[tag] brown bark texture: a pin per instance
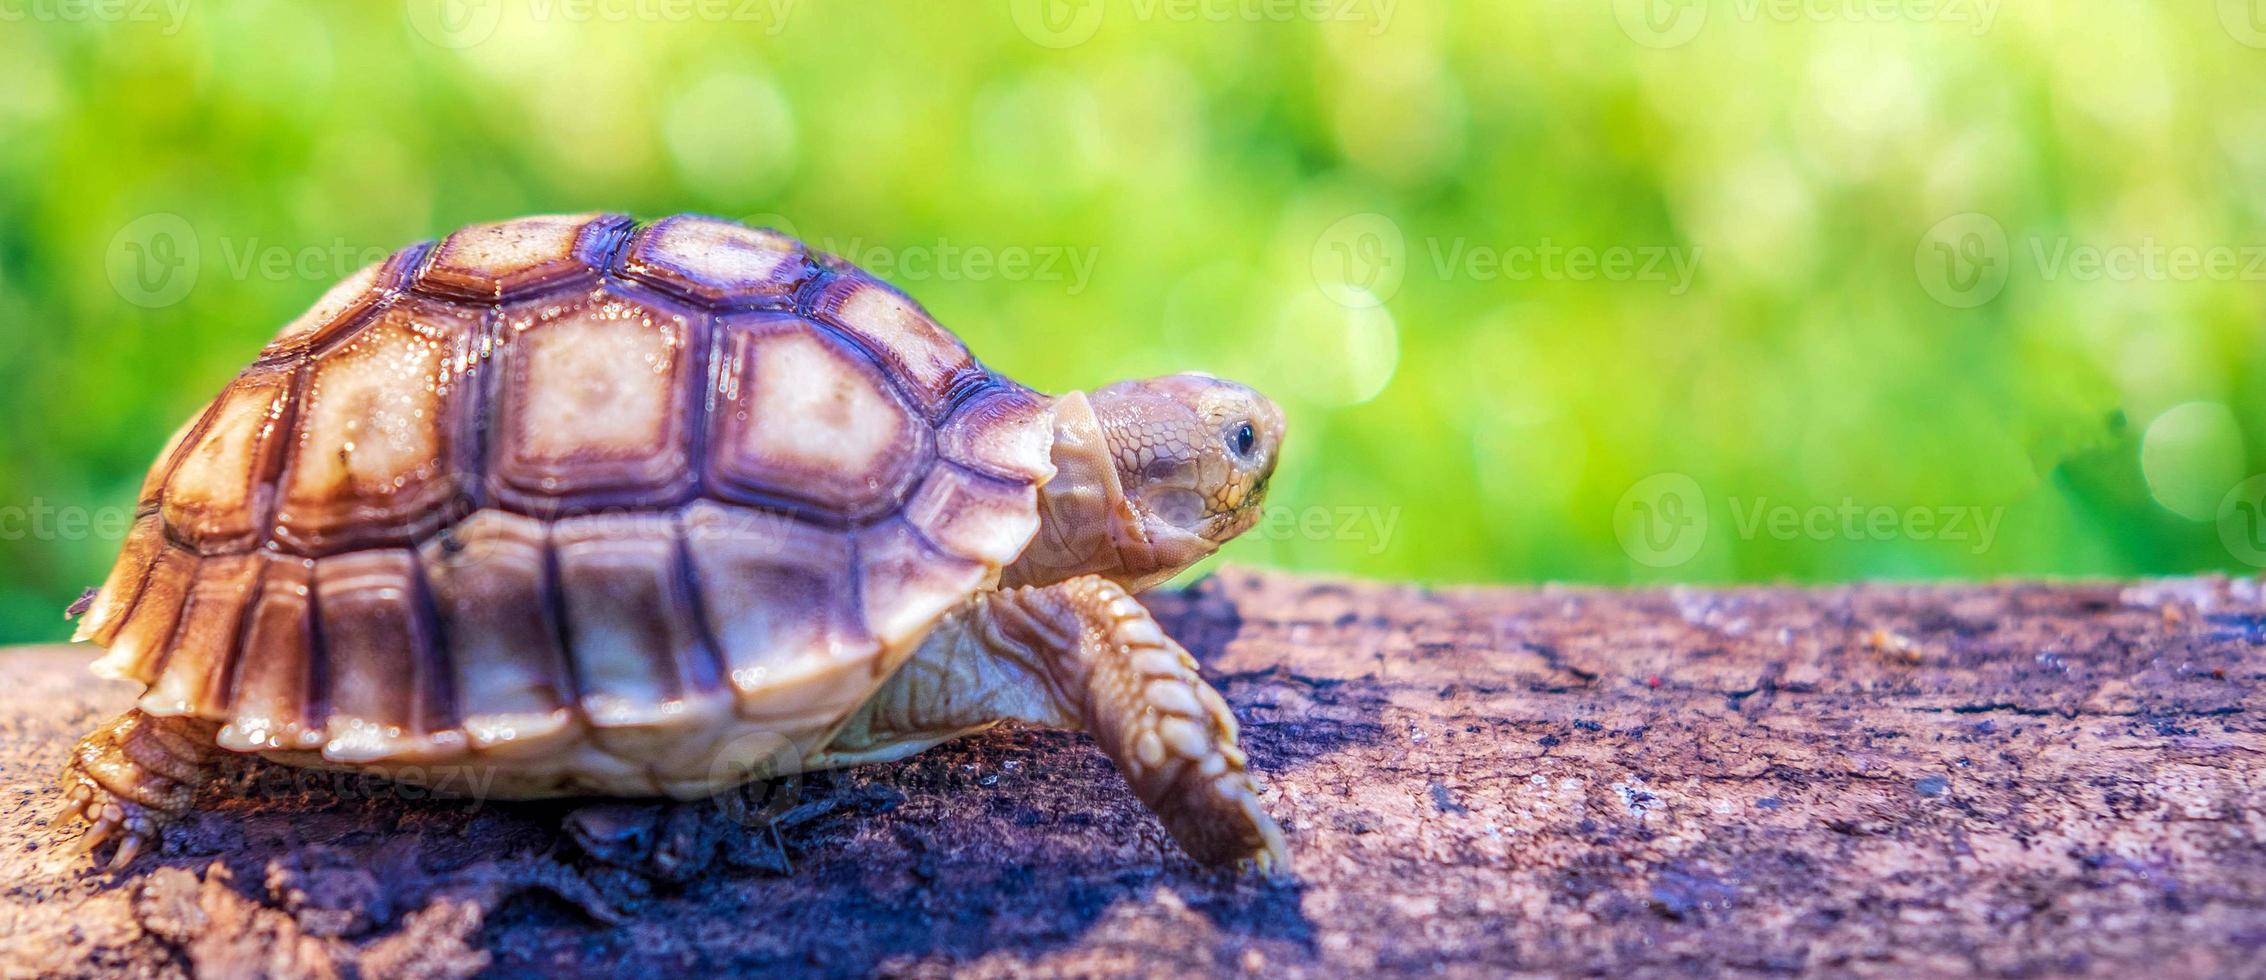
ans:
(2017, 779)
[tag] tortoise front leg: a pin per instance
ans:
(134, 775)
(1081, 654)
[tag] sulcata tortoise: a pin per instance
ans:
(590, 508)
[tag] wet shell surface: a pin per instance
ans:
(611, 508)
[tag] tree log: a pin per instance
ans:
(2013, 779)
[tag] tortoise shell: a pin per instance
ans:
(570, 485)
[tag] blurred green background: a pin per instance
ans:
(1614, 292)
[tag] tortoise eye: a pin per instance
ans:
(1243, 439)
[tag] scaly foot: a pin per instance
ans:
(131, 777)
(1140, 695)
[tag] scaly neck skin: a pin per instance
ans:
(1086, 525)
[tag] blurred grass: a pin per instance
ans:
(1451, 422)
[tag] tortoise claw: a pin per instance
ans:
(74, 806)
(128, 848)
(96, 834)
(128, 823)
(1267, 854)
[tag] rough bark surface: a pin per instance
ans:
(1890, 780)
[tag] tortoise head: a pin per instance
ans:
(1151, 476)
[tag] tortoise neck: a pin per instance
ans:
(1086, 525)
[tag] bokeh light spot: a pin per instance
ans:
(732, 136)
(2190, 456)
(1330, 354)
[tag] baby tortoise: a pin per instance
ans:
(600, 509)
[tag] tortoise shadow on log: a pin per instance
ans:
(1017, 841)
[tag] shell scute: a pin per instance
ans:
(153, 485)
(506, 259)
(490, 579)
(1004, 430)
(718, 263)
(974, 516)
(387, 697)
(275, 697)
(140, 641)
(907, 582)
(213, 498)
(193, 678)
(594, 403)
(116, 596)
(854, 448)
(778, 592)
(342, 306)
(932, 362)
(639, 652)
(382, 433)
